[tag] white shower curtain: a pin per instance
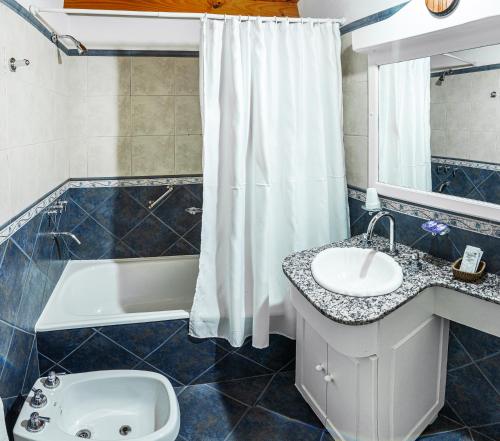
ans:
(274, 175)
(404, 124)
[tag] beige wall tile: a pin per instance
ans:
(354, 65)
(153, 115)
(5, 190)
(108, 116)
(187, 76)
(187, 115)
(356, 157)
(109, 156)
(153, 155)
(188, 154)
(152, 76)
(108, 76)
(78, 157)
(438, 116)
(356, 109)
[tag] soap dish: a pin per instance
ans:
(465, 276)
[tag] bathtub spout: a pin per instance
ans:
(56, 234)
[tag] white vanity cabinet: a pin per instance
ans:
(382, 381)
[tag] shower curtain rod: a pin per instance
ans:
(176, 15)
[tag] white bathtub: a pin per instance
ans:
(112, 292)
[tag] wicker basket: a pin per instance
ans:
(468, 277)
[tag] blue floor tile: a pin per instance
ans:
(281, 351)
(491, 431)
(457, 356)
(184, 358)
(247, 390)
(283, 397)
(442, 424)
(490, 367)
(478, 344)
(232, 367)
(260, 424)
(143, 338)
(207, 415)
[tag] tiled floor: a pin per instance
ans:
(224, 393)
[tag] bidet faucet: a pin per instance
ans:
(55, 234)
(392, 230)
(36, 422)
(52, 380)
(38, 399)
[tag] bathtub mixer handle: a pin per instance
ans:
(38, 399)
(36, 423)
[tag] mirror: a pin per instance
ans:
(439, 124)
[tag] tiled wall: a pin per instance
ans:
(464, 117)
(34, 153)
(117, 223)
(468, 179)
(30, 266)
(134, 116)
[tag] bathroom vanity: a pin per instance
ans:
(374, 368)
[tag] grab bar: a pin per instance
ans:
(153, 204)
(194, 210)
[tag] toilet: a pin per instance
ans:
(3, 428)
(102, 405)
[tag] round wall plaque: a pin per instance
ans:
(441, 7)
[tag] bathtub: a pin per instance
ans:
(94, 293)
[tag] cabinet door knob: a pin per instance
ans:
(320, 368)
(329, 378)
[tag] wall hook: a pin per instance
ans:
(14, 64)
(493, 94)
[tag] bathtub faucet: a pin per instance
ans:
(56, 234)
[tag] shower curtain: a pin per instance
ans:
(273, 169)
(404, 130)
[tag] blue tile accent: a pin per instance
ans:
(371, 19)
(283, 397)
(200, 422)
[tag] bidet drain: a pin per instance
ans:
(84, 433)
(125, 430)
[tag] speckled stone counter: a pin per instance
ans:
(360, 311)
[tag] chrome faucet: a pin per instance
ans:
(36, 423)
(38, 399)
(52, 380)
(392, 230)
(56, 234)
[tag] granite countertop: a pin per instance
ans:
(361, 311)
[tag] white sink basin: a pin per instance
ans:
(357, 272)
(105, 406)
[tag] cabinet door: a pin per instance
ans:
(313, 366)
(342, 395)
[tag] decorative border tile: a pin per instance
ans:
(467, 70)
(17, 223)
(371, 19)
(466, 163)
(454, 220)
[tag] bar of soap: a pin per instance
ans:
(436, 227)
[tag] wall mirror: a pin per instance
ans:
(439, 127)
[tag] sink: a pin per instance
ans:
(357, 272)
(104, 406)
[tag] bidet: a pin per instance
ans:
(103, 406)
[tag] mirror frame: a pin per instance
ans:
(468, 207)
(440, 201)
(412, 33)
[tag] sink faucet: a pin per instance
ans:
(55, 234)
(392, 229)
